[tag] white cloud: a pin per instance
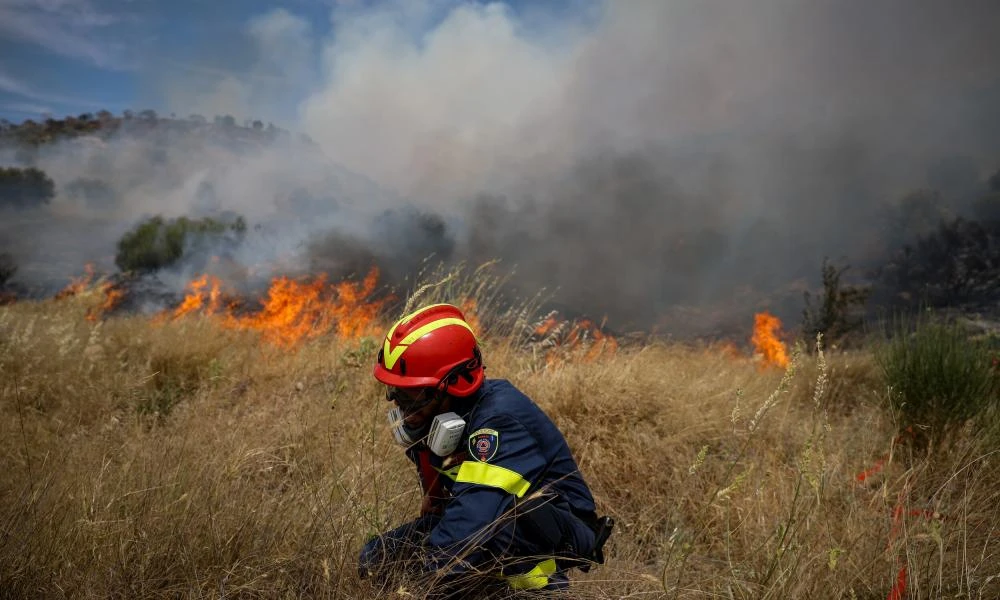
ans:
(12, 85)
(284, 47)
(70, 28)
(27, 108)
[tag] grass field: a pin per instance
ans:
(182, 458)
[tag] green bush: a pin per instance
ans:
(837, 314)
(157, 243)
(939, 377)
(25, 188)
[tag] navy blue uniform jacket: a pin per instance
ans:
(511, 451)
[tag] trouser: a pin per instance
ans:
(543, 542)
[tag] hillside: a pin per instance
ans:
(103, 125)
(72, 188)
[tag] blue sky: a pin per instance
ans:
(73, 56)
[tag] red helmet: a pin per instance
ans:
(432, 347)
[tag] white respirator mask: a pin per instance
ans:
(443, 438)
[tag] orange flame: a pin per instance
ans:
(355, 314)
(293, 311)
(564, 339)
(112, 298)
(766, 342)
(547, 325)
(470, 309)
(198, 298)
(78, 284)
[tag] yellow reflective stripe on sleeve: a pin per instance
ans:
(493, 476)
(534, 579)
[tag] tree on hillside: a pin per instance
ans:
(838, 313)
(25, 188)
(157, 243)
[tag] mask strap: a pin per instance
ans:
(463, 370)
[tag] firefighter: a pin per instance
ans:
(504, 501)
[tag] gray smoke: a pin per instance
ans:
(656, 153)
(640, 157)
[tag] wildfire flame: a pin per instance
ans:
(547, 325)
(470, 310)
(78, 285)
(583, 339)
(197, 298)
(292, 311)
(112, 295)
(766, 341)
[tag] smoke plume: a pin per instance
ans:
(636, 157)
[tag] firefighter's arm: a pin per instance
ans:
(504, 460)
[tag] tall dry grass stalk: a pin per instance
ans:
(180, 459)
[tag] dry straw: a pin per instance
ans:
(180, 459)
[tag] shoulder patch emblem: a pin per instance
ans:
(483, 444)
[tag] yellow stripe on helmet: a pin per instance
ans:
(390, 355)
(392, 329)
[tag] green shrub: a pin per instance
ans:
(938, 376)
(157, 243)
(25, 188)
(838, 313)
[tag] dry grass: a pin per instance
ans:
(154, 460)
